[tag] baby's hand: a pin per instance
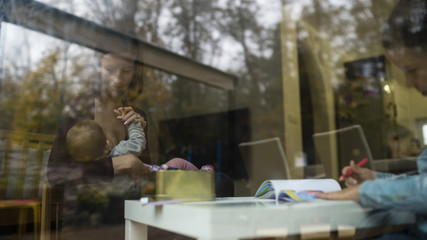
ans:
(128, 115)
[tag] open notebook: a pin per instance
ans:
(297, 190)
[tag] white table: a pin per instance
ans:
(235, 218)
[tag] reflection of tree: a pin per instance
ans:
(354, 26)
(33, 102)
(201, 31)
(191, 31)
(259, 86)
(118, 15)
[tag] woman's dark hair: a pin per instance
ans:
(136, 86)
(407, 26)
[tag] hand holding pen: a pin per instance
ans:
(355, 174)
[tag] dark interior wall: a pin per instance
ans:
(207, 139)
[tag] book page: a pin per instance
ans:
(298, 185)
(296, 190)
(323, 185)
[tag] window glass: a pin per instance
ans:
(255, 90)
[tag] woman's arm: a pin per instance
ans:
(131, 165)
(406, 193)
(401, 191)
(350, 193)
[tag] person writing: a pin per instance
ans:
(405, 41)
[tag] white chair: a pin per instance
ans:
(264, 159)
(23, 160)
(337, 148)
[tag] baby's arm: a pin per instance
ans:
(136, 143)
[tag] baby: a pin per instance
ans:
(86, 141)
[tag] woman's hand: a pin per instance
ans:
(128, 115)
(359, 174)
(131, 165)
(350, 193)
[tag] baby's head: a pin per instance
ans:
(86, 141)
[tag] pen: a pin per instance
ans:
(350, 171)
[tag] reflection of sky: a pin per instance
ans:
(25, 47)
(270, 12)
(19, 45)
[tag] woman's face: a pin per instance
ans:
(414, 65)
(117, 74)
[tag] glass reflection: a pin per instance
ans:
(303, 68)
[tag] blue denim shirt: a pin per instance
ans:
(403, 192)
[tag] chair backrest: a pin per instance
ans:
(23, 160)
(265, 159)
(336, 148)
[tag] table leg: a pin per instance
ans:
(22, 222)
(135, 230)
(333, 235)
(293, 237)
(36, 217)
